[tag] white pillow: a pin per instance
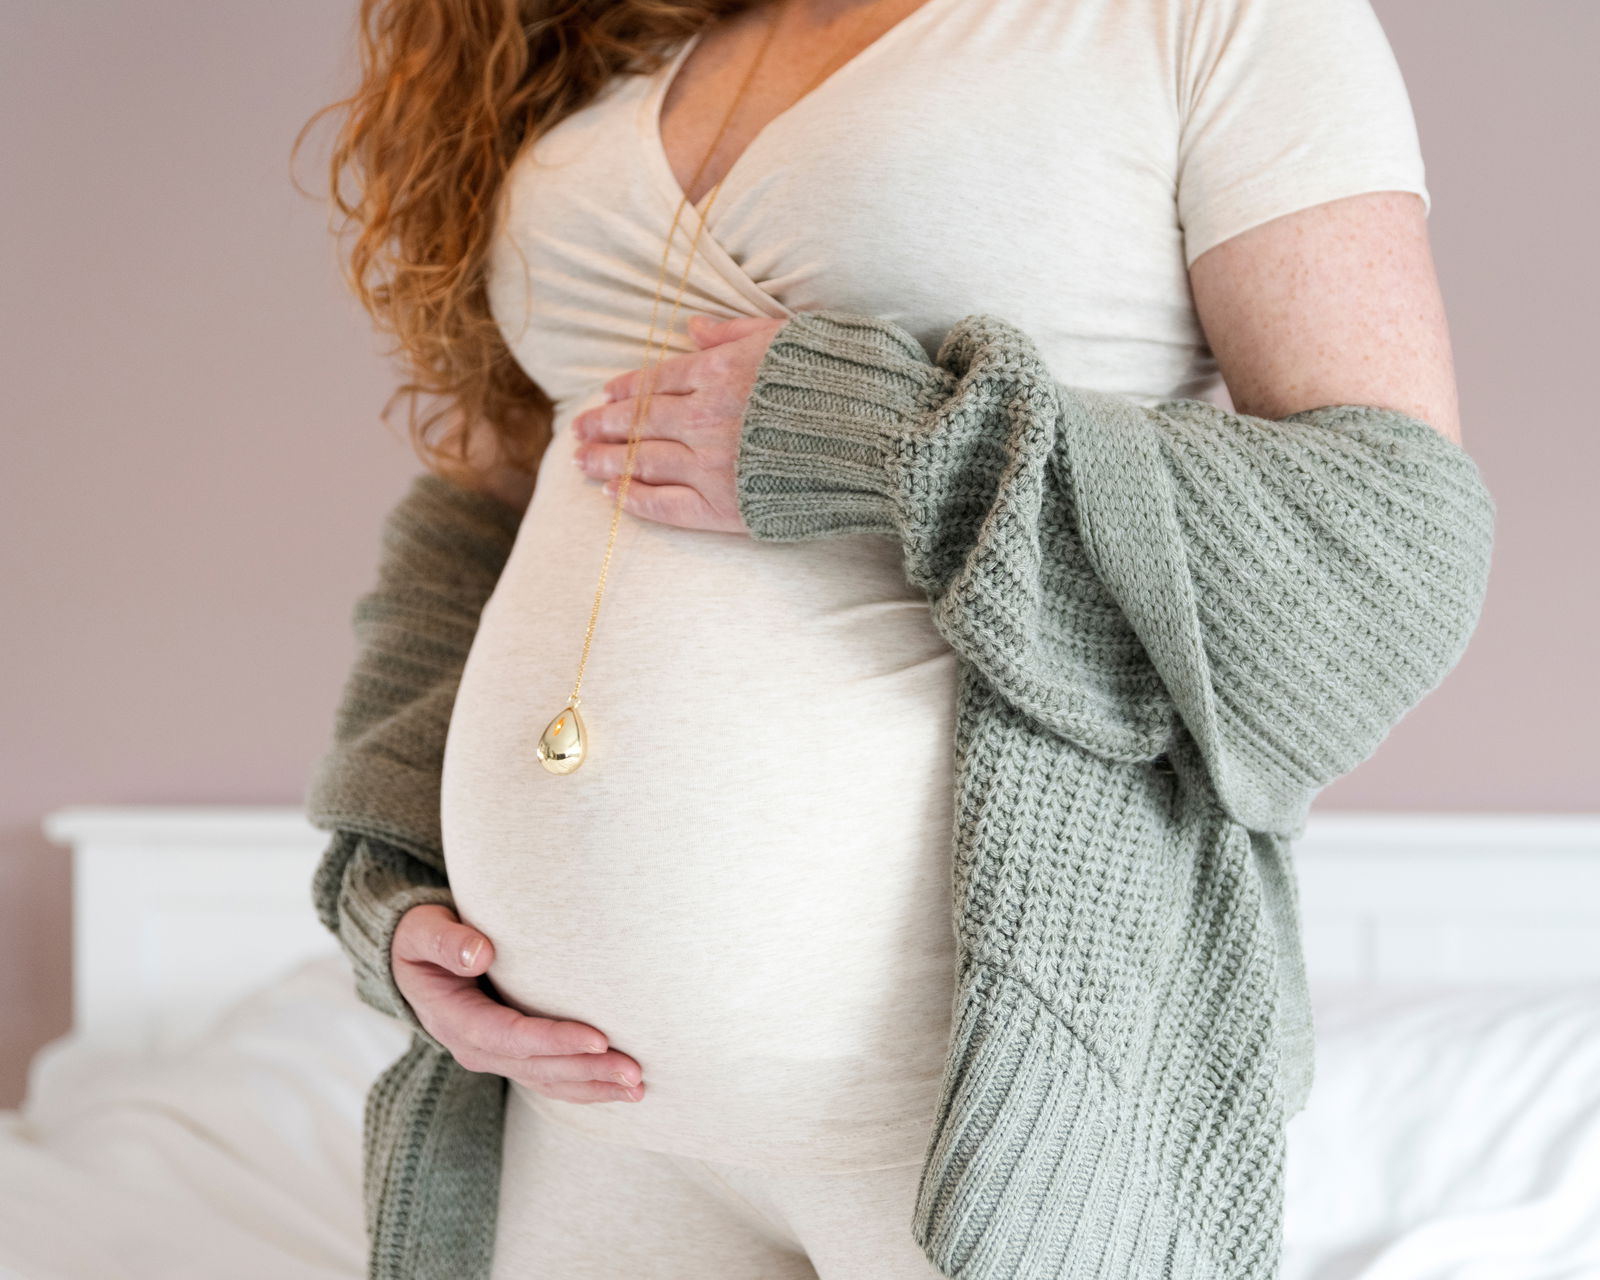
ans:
(1452, 1133)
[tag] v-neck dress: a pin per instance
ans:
(747, 887)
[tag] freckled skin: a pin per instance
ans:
(1335, 304)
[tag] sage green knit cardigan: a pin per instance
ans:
(1175, 625)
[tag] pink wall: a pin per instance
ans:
(195, 470)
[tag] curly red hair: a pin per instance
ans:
(450, 92)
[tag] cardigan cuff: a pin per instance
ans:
(379, 886)
(834, 407)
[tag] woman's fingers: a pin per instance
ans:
(675, 504)
(437, 960)
(432, 932)
(665, 416)
(673, 375)
(688, 370)
(708, 331)
(654, 462)
(484, 1035)
(589, 1091)
(613, 1069)
(469, 1018)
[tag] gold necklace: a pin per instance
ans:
(564, 745)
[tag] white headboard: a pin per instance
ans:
(180, 910)
(177, 911)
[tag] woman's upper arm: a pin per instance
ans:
(1337, 303)
(1300, 187)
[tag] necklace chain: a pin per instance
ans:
(564, 746)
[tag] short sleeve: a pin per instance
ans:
(1286, 104)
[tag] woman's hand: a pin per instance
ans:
(684, 468)
(560, 1059)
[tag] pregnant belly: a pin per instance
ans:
(746, 886)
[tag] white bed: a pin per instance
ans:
(202, 1119)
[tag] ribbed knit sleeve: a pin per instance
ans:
(377, 787)
(1284, 590)
(361, 888)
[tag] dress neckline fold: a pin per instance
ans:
(652, 100)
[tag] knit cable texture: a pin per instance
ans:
(431, 1132)
(1175, 625)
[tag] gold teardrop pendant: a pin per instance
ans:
(564, 743)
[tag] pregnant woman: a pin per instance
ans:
(762, 930)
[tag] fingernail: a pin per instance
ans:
(470, 950)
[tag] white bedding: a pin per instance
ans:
(239, 1160)
(1452, 1134)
